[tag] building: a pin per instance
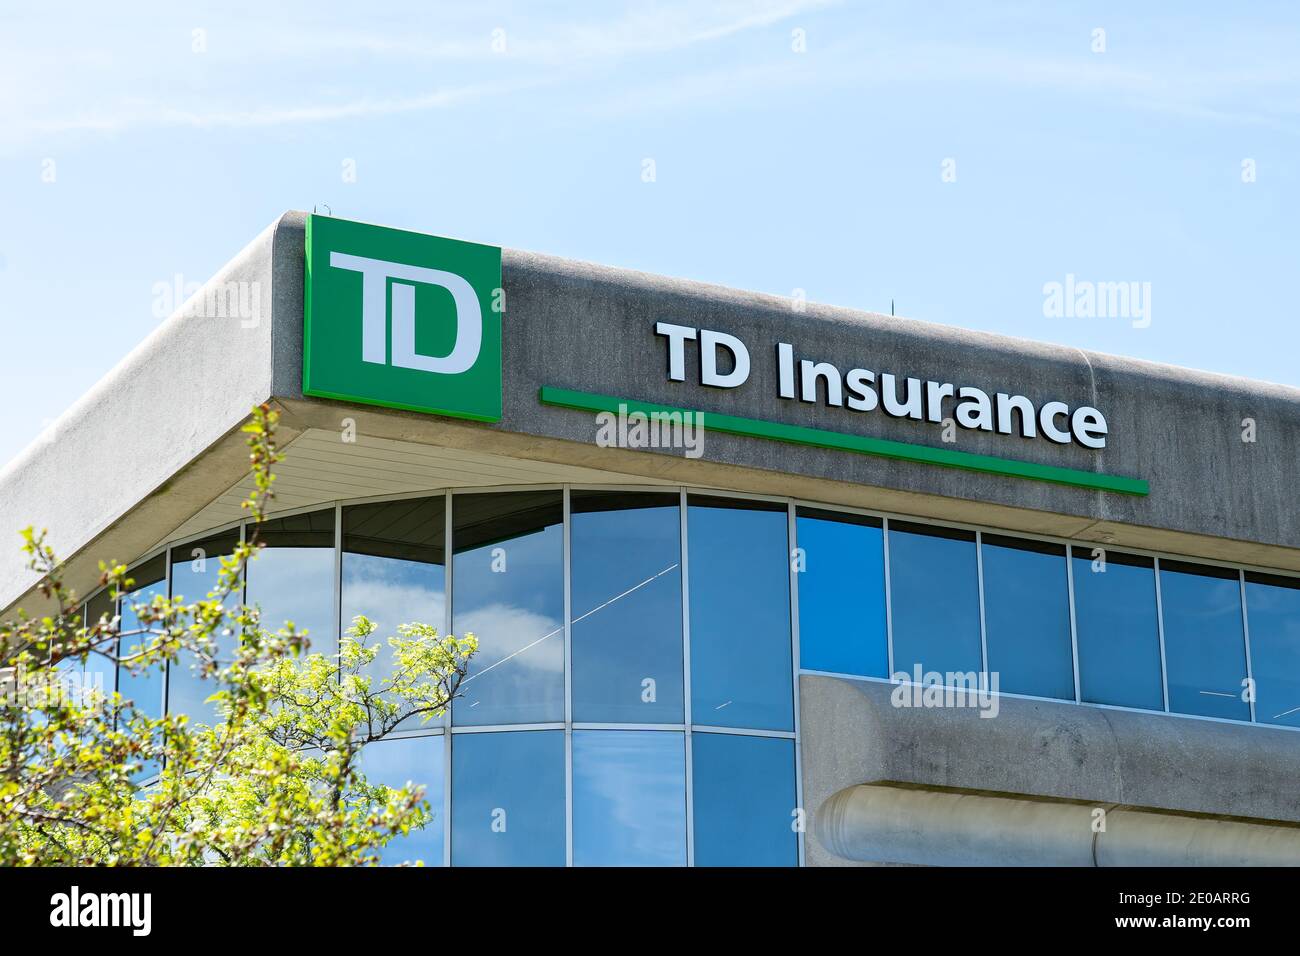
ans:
(1082, 572)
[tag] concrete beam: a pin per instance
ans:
(891, 824)
(852, 734)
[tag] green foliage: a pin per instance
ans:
(274, 780)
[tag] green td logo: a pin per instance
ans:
(402, 320)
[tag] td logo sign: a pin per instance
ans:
(402, 320)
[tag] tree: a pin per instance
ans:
(88, 778)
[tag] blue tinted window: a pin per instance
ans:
(508, 583)
(507, 798)
(627, 607)
(1205, 649)
(842, 594)
(740, 614)
(744, 801)
(1273, 610)
(395, 763)
(1117, 630)
(1027, 617)
(196, 569)
(629, 798)
(100, 674)
(292, 578)
(934, 587)
(145, 687)
(393, 571)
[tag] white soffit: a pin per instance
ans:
(319, 467)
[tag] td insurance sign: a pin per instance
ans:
(402, 320)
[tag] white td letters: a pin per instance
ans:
(375, 274)
(863, 390)
(710, 342)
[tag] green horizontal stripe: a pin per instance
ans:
(861, 444)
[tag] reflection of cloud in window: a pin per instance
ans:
(295, 584)
(634, 786)
(514, 637)
(389, 604)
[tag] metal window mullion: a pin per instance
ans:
(792, 542)
(889, 601)
(568, 680)
(684, 544)
(1074, 629)
(979, 580)
(167, 665)
(1160, 629)
(1245, 629)
(338, 583)
(506, 728)
(755, 731)
(446, 716)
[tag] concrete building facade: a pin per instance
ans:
(884, 592)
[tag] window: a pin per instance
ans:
(418, 761)
(841, 579)
(196, 570)
(292, 578)
(744, 800)
(100, 673)
(507, 798)
(394, 571)
(626, 599)
(508, 584)
(1273, 611)
(1027, 617)
(1117, 629)
(629, 798)
(740, 614)
(145, 687)
(1205, 648)
(934, 590)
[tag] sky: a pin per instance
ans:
(958, 160)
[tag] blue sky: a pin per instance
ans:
(775, 169)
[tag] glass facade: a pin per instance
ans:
(934, 594)
(507, 799)
(1027, 616)
(746, 810)
(292, 578)
(1274, 605)
(633, 700)
(1205, 646)
(740, 614)
(621, 776)
(627, 608)
(508, 591)
(393, 569)
(841, 566)
(145, 688)
(418, 762)
(1118, 629)
(195, 574)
